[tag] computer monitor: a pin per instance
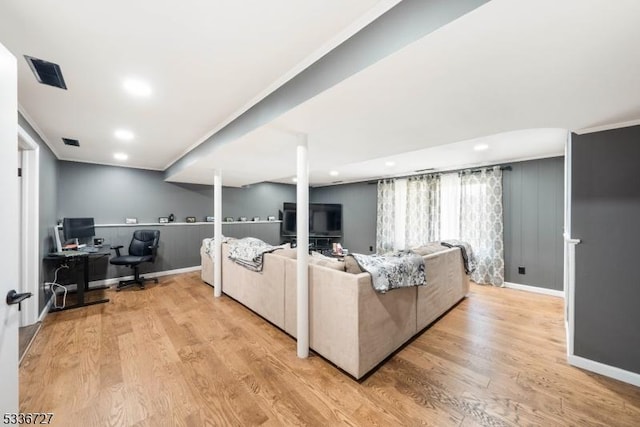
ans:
(78, 228)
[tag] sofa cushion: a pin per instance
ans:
(288, 253)
(352, 266)
(327, 262)
(429, 248)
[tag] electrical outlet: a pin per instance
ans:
(370, 248)
(521, 270)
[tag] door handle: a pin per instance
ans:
(15, 298)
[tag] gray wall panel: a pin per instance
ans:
(110, 194)
(48, 203)
(359, 203)
(264, 199)
(605, 210)
(533, 194)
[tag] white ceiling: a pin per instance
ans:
(517, 75)
(207, 61)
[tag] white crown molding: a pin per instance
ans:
(119, 165)
(608, 127)
(534, 289)
(35, 127)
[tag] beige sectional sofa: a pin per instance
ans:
(350, 324)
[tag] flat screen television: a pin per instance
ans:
(325, 219)
(78, 228)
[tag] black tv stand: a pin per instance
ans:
(316, 242)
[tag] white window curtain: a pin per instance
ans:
(481, 223)
(386, 217)
(450, 206)
(422, 217)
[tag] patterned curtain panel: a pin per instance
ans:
(423, 210)
(385, 225)
(481, 223)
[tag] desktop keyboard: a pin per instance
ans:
(88, 249)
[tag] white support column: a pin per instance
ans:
(302, 238)
(217, 233)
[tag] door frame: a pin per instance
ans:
(30, 232)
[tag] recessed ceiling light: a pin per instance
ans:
(137, 87)
(481, 147)
(334, 173)
(123, 134)
(294, 179)
(389, 164)
(120, 156)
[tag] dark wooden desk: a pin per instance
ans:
(75, 257)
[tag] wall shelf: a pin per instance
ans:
(170, 224)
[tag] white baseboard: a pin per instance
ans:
(535, 289)
(108, 282)
(46, 308)
(606, 370)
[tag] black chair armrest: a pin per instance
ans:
(154, 251)
(117, 249)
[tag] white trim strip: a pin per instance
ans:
(608, 127)
(46, 308)
(606, 370)
(115, 280)
(535, 289)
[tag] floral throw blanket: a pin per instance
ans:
(397, 270)
(468, 257)
(248, 252)
(208, 244)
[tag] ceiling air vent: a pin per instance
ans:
(46, 72)
(72, 142)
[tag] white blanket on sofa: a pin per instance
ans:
(397, 270)
(248, 252)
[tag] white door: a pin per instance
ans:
(9, 315)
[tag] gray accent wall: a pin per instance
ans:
(533, 203)
(605, 216)
(110, 194)
(533, 198)
(48, 203)
(359, 202)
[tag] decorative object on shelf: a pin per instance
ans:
(256, 218)
(163, 220)
(271, 218)
(131, 220)
(172, 217)
(191, 219)
(243, 219)
(229, 219)
(209, 219)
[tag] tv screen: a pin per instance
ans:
(78, 228)
(325, 219)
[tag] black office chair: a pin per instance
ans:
(143, 248)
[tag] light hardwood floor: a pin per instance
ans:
(174, 355)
